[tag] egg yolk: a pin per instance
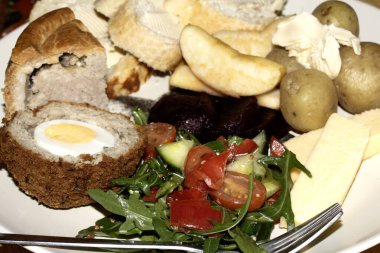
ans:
(70, 133)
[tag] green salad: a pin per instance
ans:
(226, 194)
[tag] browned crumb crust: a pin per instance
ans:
(61, 184)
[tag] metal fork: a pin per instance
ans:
(292, 241)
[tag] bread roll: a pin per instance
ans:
(108, 8)
(146, 30)
(217, 15)
(55, 58)
(62, 181)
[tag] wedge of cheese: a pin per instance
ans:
(334, 163)
(303, 145)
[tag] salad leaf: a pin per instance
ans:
(148, 174)
(211, 245)
(140, 117)
(169, 186)
(182, 134)
(245, 242)
(282, 206)
(137, 215)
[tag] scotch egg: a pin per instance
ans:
(72, 137)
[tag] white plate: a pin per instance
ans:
(360, 225)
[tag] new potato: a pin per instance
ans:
(339, 14)
(358, 82)
(307, 97)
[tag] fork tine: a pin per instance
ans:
(299, 237)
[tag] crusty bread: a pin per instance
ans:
(108, 8)
(126, 76)
(215, 15)
(83, 10)
(62, 181)
(55, 58)
(125, 73)
(126, 30)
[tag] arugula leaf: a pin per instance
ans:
(109, 200)
(161, 227)
(133, 209)
(183, 134)
(217, 146)
(104, 227)
(233, 139)
(148, 174)
(258, 225)
(211, 244)
(174, 182)
(282, 206)
(245, 242)
(140, 117)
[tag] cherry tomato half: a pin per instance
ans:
(204, 168)
(158, 133)
(234, 192)
(196, 156)
(245, 147)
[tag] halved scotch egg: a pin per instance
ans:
(59, 151)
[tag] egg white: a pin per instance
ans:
(102, 139)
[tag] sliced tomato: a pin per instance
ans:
(276, 147)
(234, 192)
(245, 147)
(151, 197)
(204, 168)
(196, 156)
(212, 170)
(158, 133)
(193, 214)
(186, 194)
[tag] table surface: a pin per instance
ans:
(19, 249)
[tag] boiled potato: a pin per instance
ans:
(339, 14)
(281, 56)
(358, 82)
(307, 98)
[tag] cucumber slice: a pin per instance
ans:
(247, 164)
(261, 141)
(271, 185)
(175, 153)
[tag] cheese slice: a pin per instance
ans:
(333, 163)
(303, 145)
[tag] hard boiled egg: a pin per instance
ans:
(72, 137)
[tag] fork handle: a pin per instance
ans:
(72, 242)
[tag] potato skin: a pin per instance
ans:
(339, 14)
(281, 56)
(358, 82)
(308, 97)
